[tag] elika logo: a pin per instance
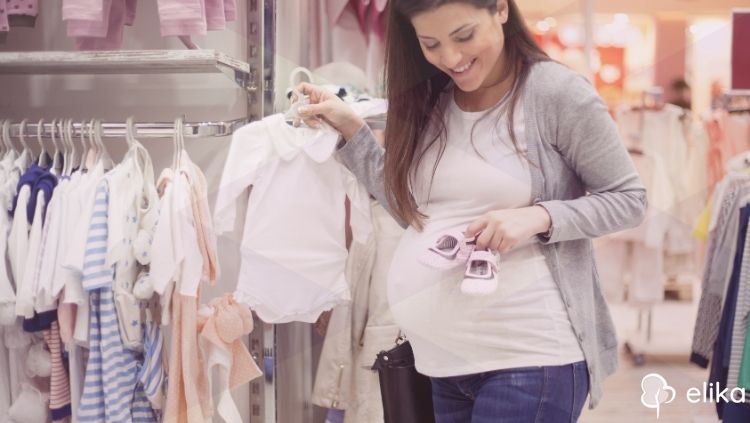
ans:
(656, 391)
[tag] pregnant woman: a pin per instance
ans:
(490, 140)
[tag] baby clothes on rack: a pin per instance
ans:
(45, 298)
(195, 17)
(17, 13)
(717, 269)
(59, 403)
(41, 184)
(306, 262)
(183, 256)
(370, 14)
(152, 376)
(111, 390)
(71, 262)
(4, 24)
(22, 13)
(84, 10)
(11, 169)
(105, 31)
(222, 326)
(347, 31)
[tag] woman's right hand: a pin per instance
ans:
(327, 106)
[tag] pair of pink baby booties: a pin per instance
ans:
(453, 249)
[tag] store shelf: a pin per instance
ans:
(127, 62)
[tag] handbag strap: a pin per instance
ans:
(401, 338)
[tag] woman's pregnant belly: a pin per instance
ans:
(453, 333)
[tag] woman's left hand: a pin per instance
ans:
(501, 230)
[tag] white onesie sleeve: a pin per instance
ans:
(250, 149)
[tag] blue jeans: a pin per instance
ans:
(550, 394)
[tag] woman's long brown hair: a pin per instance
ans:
(414, 87)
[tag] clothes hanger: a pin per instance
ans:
(181, 134)
(84, 146)
(4, 127)
(70, 161)
(176, 142)
(55, 155)
(22, 137)
(10, 141)
(10, 148)
(42, 160)
(27, 155)
(739, 162)
(135, 147)
(92, 141)
(65, 147)
(130, 131)
(77, 162)
(108, 163)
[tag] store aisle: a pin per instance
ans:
(622, 398)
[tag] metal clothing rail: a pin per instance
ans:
(154, 129)
(144, 130)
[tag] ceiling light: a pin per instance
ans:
(542, 26)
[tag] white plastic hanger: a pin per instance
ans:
(104, 154)
(56, 155)
(70, 163)
(22, 137)
(63, 146)
(27, 155)
(136, 148)
(92, 142)
(77, 162)
(176, 142)
(42, 160)
(66, 157)
(130, 132)
(10, 148)
(84, 165)
(739, 162)
(4, 128)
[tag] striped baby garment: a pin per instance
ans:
(111, 391)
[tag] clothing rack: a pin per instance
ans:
(652, 99)
(153, 129)
(284, 393)
(736, 102)
(254, 75)
(144, 130)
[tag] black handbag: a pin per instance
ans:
(406, 393)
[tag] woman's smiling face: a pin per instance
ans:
(465, 42)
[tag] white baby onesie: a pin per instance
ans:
(293, 247)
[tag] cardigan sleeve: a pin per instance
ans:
(576, 121)
(364, 157)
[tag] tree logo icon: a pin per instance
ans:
(656, 391)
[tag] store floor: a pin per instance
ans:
(667, 355)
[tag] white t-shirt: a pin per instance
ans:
(523, 323)
(80, 206)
